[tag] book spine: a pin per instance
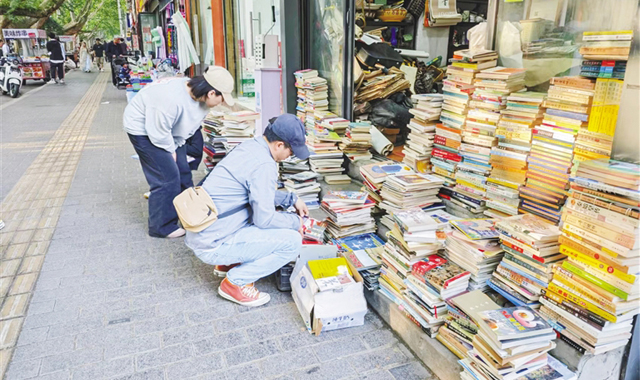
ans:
(573, 268)
(603, 215)
(525, 251)
(566, 242)
(519, 280)
(543, 271)
(559, 271)
(622, 239)
(597, 265)
(607, 205)
(576, 346)
(573, 309)
(620, 250)
(569, 296)
(602, 302)
(540, 280)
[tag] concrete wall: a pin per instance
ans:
(432, 40)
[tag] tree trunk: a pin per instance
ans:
(21, 8)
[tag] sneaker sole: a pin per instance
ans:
(219, 273)
(258, 302)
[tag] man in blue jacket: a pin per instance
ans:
(250, 231)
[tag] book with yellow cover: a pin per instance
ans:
(329, 267)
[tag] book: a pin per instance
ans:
(345, 197)
(513, 323)
(476, 229)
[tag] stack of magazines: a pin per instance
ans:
(305, 185)
(349, 213)
(473, 245)
(404, 191)
(531, 247)
(363, 252)
(511, 343)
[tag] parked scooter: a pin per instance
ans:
(10, 76)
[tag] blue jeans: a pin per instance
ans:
(166, 178)
(261, 252)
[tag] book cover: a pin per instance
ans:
(476, 229)
(438, 272)
(351, 197)
(513, 323)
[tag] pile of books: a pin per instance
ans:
(312, 95)
(378, 85)
(374, 175)
(215, 146)
(313, 232)
(305, 185)
(603, 69)
(568, 103)
(239, 126)
(596, 141)
(325, 157)
(363, 252)
(349, 213)
(609, 45)
(531, 247)
(426, 112)
(512, 343)
(404, 191)
(293, 165)
(357, 141)
(473, 245)
(594, 294)
(509, 157)
(461, 325)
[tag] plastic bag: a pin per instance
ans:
(477, 37)
(509, 47)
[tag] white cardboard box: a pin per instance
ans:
(330, 309)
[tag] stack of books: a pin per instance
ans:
(512, 343)
(603, 69)
(602, 121)
(312, 95)
(364, 253)
(531, 247)
(357, 141)
(239, 125)
(215, 146)
(594, 294)
(417, 150)
(461, 325)
(609, 45)
(509, 157)
(349, 213)
(325, 156)
(334, 124)
(305, 185)
(374, 175)
(293, 165)
(473, 245)
(313, 232)
(404, 191)
(568, 103)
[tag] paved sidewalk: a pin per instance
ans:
(112, 303)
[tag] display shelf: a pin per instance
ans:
(388, 23)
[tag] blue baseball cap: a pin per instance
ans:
(291, 130)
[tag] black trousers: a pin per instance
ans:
(57, 70)
(166, 178)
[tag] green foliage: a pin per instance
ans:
(102, 17)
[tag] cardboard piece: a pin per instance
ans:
(330, 309)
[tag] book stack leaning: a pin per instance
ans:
(594, 294)
(531, 247)
(349, 213)
(512, 343)
(426, 113)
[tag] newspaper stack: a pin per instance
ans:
(215, 146)
(595, 292)
(357, 141)
(511, 343)
(473, 245)
(349, 213)
(377, 85)
(530, 246)
(426, 112)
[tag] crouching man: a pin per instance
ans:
(251, 240)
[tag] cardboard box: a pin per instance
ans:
(330, 309)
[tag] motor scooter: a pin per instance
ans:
(10, 76)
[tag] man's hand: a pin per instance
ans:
(300, 231)
(301, 208)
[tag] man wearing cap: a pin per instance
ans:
(250, 231)
(158, 120)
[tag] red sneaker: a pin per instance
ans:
(247, 295)
(221, 270)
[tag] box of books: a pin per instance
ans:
(328, 293)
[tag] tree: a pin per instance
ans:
(88, 18)
(24, 13)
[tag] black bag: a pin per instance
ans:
(379, 53)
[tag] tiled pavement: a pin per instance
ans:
(112, 303)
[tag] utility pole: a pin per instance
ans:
(120, 20)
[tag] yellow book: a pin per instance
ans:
(469, 184)
(503, 183)
(602, 302)
(329, 267)
(564, 294)
(595, 264)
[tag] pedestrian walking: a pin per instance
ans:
(98, 53)
(5, 49)
(56, 57)
(251, 240)
(113, 50)
(85, 58)
(158, 120)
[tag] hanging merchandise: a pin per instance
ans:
(158, 41)
(187, 54)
